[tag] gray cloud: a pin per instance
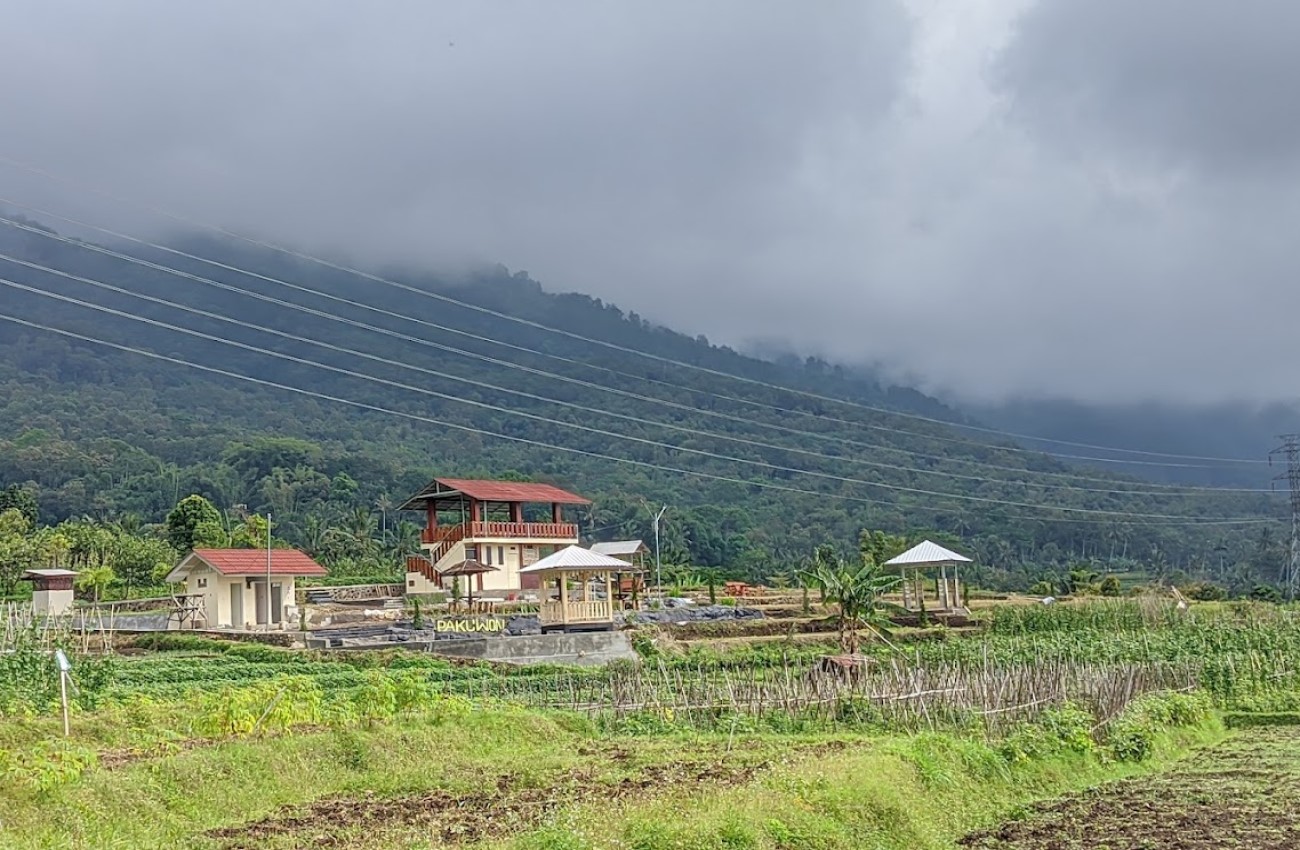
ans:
(1169, 82)
(993, 197)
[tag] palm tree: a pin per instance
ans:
(403, 539)
(858, 591)
(385, 504)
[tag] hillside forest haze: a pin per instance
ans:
(1012, 276)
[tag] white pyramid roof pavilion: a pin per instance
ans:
(925, 554)
(576, 558)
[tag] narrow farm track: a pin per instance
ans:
(1244, 793)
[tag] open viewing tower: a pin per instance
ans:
(503, 526)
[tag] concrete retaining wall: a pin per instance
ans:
(583, 649)
(586, 649)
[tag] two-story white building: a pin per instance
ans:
(502, 525)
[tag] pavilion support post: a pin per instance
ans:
(609, 594)
(564, 598)
(943, 587)
(431, 516)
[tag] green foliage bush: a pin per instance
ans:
(1132, 736)
(46, 765)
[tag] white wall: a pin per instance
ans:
(217, 597)
(54, 603)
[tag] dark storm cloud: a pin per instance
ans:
(1079, 197)
(590, 142)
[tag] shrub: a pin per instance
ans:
(1132, 736)
(47, 765)
(1205, 591)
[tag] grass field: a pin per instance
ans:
(503, 777)
(218, 745)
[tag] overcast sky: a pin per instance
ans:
(1086, 198)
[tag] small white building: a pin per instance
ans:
(51, 591)
(633, 552)
(231, 588)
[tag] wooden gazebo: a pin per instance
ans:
(923, 558)
(587, 612)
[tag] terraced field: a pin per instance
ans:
(1244, 793)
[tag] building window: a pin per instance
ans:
(410, 582)
(471, 553)
(203, 582)
(487, 554)
(501, 555)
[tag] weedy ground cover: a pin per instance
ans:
(1245, 792)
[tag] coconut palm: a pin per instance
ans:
(858, 591)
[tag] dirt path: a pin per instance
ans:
(1244, 793)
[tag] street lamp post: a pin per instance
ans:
(659, 574)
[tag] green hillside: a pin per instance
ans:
(755, 476)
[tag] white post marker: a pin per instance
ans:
(64, 668)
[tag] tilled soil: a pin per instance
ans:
(452, 819)
(1244, 793)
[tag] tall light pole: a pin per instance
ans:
(268, 572)
(659, 573)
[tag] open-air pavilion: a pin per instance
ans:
(924, 558)
(576, 607)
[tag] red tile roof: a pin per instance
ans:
(512, 491)
(252, 562)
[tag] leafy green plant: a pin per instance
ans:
(46, 765)
(858, 591)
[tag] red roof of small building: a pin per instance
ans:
(511, 491)
(252, 562)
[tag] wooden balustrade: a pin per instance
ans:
(520, 530)
(556, 613)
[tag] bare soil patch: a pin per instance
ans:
(1245, 794)
(450, 818)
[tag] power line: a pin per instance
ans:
(1290, 451)
(558, 402)
(1125, 518)
(550, 375)
(611, 434)
(633, 351)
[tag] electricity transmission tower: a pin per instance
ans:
(1290, 451)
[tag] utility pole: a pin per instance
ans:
(659, 572)
(268, 572)
(1290, 451)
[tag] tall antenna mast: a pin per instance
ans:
(1290, 451)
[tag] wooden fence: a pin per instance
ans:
(899, 694)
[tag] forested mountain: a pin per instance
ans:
(103, 432)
